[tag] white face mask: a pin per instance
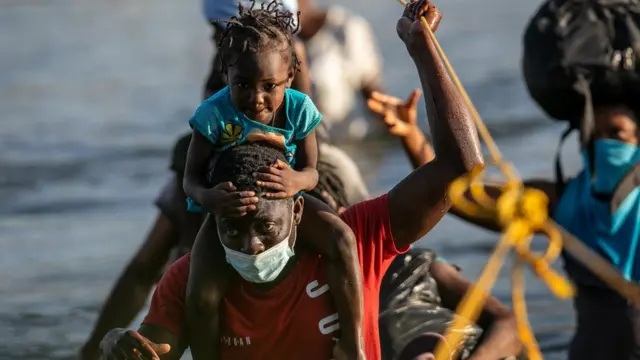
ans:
(264, 267)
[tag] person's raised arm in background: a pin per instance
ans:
(401, 118)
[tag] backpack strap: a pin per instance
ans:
(629, 182)
(585, 127)
(583, 86)
(560, 181)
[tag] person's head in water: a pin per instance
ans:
(613, 150)
(259, 244)
(258, 58)
(330, 188)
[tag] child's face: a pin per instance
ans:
(257, 82)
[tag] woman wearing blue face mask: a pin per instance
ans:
(600, 206)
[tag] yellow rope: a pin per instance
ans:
(522, 212)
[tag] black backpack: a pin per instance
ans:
(410, 305)
(578, 53)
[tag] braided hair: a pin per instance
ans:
(255, 29)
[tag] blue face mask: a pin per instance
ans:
(612, 161)
(264, 267)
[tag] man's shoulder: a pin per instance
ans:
(167, 309)
(366, 215)
(182, 263)
(178, 273)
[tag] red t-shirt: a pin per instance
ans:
(297, 318)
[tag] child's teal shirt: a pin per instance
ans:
(225, 126)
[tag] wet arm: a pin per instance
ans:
(420, 200)
(198, 156)
(307, 161)
(132, 289)
(500, 337)
(417, 148)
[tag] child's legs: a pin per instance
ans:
(207, 261)
(323, 231)
(208, 276)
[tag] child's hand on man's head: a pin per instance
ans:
(225, 199)
(282, 178)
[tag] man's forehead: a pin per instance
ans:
(272, 207)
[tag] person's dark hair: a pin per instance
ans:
(257, 29)
(238, 164)
(330, 182)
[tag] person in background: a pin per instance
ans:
(418, 299)
(608, 327)
(344, 64)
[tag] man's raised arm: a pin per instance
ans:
(419, 201)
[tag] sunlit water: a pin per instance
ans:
(92, 94)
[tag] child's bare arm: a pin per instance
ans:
(323, 231)
(198, 156)
(307, 161)
(222, 197)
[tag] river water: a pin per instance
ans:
(92, 94)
